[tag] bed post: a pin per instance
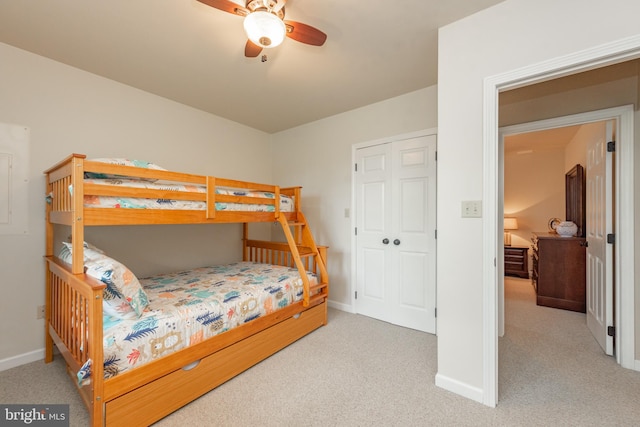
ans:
(96, 353)
(48, 340)
(77, 212)
(245, 237)
(276, 201)
(296, 198)
(322, 252)
(211, 197)
(297, 230)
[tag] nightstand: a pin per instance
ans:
(516, 261)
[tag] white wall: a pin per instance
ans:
(533, 191)
(576, 151)
(318, 157)
(506, 37)
(69, 110)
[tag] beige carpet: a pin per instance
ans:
(358, 371)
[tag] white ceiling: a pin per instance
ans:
(191, 53)
(542, 140)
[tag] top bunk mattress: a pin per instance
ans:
(95, 201)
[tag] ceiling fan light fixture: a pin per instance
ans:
(264, 28)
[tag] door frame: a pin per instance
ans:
(354, 148)
(589, 59)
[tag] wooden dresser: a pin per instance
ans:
(516, 261)
(559, 271)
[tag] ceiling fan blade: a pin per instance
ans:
(305, 33)
(251, 50)
(226, 6)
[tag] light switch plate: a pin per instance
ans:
(472, 209)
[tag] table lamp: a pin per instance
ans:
(509, 224)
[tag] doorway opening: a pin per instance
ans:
(613, 53)
(566, 273)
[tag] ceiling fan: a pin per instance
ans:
(265, 25)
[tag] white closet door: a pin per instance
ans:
(396, 194)
(413, 254)
(373, 210)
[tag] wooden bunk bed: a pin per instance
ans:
(74, 306)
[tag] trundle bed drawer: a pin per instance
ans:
(159, 398)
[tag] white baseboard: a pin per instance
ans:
(21, 359)
(342, 307)
(457, 387)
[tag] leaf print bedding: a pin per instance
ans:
(188, 307)
(92, 201)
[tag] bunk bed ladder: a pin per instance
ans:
(303, 246)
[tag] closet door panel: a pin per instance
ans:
(414, 227)
(373, 213)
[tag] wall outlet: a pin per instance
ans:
(472, 209)
(40, 312)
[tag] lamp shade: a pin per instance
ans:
(264, 28)
(510, 224)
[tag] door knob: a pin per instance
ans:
(385, 241)
(396, 242)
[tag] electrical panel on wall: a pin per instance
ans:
(14, 179)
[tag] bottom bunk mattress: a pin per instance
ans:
(188, 307)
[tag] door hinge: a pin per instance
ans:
(356, 230)
(436, 234)
(436, 156)
(356, 167)
(611, 147)
(356, 294)
(435, 312)
(611, 331)
(611, 238)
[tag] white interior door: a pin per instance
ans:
(413, 227)
(373, 219)
(395, 211)
(599, 224)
